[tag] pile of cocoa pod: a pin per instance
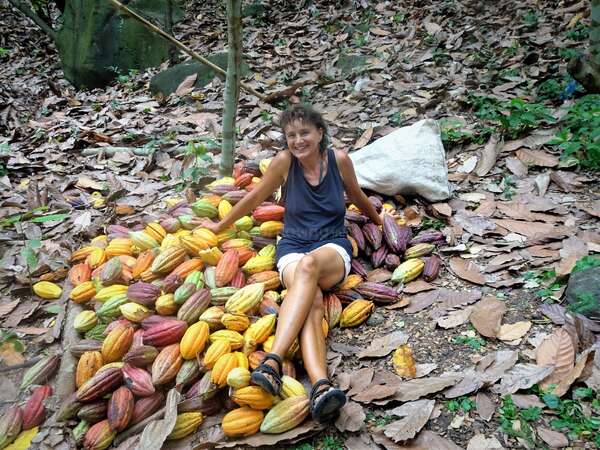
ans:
(171, 304)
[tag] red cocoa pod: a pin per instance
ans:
(227, 267)
(103, 382)
(171, 283)
(426, 237)
(165, 333)
(358, 268)
(238, 280)
(117, 231)
(93, 412)
(194, 306)
(141, 356)
(234, 196)
(153, 320)
(183, 204)
(355, 217)
(372, 234)
(120, 409)
(221, 189)
(115, 323)
(333, 309)
(431, 268)
(378, 256)
(111, 271)
(391, 261)
(143, 293)
(209, 405)
(166, 365)
(34, 411)
(348, 295)
(357, 235)
(10, 425)
(268, 306)
(255, 358)
(259, 242)
(138, 380)
(147, 406)
(376, 202)
(170, 224)
(99, 436)
(391, 234)
(243, 180)
(377, 292)
(138, 339)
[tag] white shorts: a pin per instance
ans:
(290, 258)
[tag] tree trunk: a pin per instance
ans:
(586, 68)
(40, 22)
(232, 83)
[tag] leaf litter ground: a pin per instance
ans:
(518, 215)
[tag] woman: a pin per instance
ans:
(314, 252)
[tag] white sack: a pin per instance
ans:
(408, 161)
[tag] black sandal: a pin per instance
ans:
(259, 375)
(329, 403)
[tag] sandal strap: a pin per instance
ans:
(273, 357)
(318, 384)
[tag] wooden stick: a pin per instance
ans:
(117, 4)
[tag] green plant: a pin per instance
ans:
(585, 263)
(584, 302)
(571, 418)
(507, 184)
(452, 132)
(463, 403)
(396, 119)
(332, 442)
(4, 52)
(360, 39)
(580, 32)
(265, 116)
(530, 18)
(429, 223)
(378, 420)
(399, 17)
(514, 423)
(197, 152)
(579, 136)
(475, 343)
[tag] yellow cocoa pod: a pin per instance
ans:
(134, 312)
(253, 396)
(185, 424)
(245, 299)
(221, 369)
(194, 340)
(224, 208)
(264, 327)
(83, 292)
(47, 290)
(235, 322)
(356, 313)
(350, 282)
(110, 291)
(238, 378)
(235, 339)
(290, 387)
(258, 264)
(271, 228)
(165, 305)
(215, 351)
(242, 421)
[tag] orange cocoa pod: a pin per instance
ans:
(227, 267)
(117, 343)
(166, 365)
(120, 409)
(143, 262)
(89, 363)
(187, 267)
(80, 273)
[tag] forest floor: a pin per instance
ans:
(523, 209)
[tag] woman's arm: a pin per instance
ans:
(353, 190)
(271, 180)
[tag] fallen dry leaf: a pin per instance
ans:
(376, 392)
(489, 155)
(487, 316)
(521, 376)
(516, 166)
(513, 331)
(425, 369)
(557, 350)
(455, 318)
(480, 442)
(485, 406)
(364, 138)
(9, 354)
(425, 440)
(352, 417)
(384, 345)
(404, 362)
(361, 442)
(555, 312)
(156, 432)
(360, 380)
(414, 287)
(582, 361)
(415, 389)
(572, 250)
(536, 158)
(554, 439)
(527, 401)
(442, 208)
(467, 270)
(416, 414)
(567, 181)
(7, 307)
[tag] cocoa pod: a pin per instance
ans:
(69, 408)
(376, 202)
(373, 235)
(103, 382)
(166, 333)
(355, 217)
(120, 409)
(194, 306)
(333, 309)
(79, 431)
(140, 356)
(143, 293)
(207, 405)
(391, 261)
(378, 256)
(431, 268)
(166, 365)
(171, 283)
(202, 387)
(99, 436)
(147, 406)
(93, 412)
(85, 345)
(428, 236)
(10, 425)
(357, 235)
(348, 295)
(378, 292)
(358, 268)
(34, 411)
(138, 380)
(41, 371)
(153, 320)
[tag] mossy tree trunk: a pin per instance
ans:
(586, 68)
(232, 83)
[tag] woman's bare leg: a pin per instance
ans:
(312, 342)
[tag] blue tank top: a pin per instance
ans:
(314, 215)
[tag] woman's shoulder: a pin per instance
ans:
(341, 157)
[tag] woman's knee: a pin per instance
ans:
(307, 267)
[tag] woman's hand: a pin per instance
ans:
(212, 226)
(394, 215)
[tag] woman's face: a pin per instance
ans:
(302, 138)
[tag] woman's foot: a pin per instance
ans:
(268, 374)
(325, 401)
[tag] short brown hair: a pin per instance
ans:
(306, 114)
